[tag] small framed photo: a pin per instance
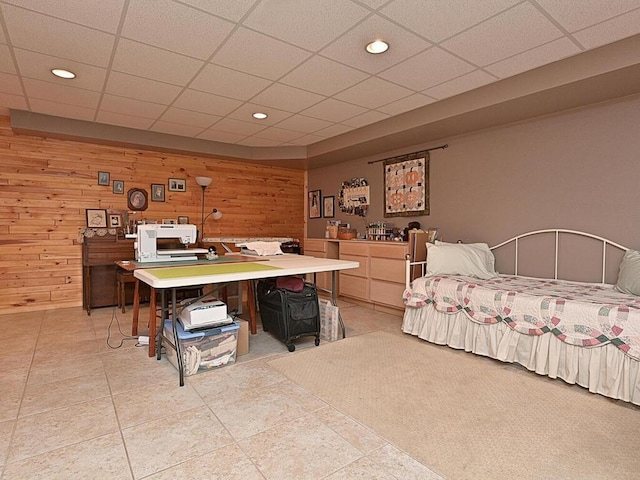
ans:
(96, 218)
(183, 219)
(157, 192)
(314, 203)
(103, 178)
(177, 185)
(115, 220)
(169, 221)
(118, 186)
(327, 206)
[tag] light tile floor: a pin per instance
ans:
(73, 407)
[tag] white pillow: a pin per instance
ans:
(475, 260)
(629, 276)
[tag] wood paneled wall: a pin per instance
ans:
(47, 184)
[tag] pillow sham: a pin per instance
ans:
(475, 260)
(629, 275)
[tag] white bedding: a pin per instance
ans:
(587, 334)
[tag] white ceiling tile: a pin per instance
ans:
(129, 121)
(175, 129)
(138, 108)
(62, 109)
(300, 123)
(254, 53)
(279, 134)
(232, 10)
(406, 104)
(333, 110)
(427, 69)
(39, 66)
(563, 47)
(154, 63)
(287, 98)
(100, 14)
(314, 26)
(461, 84)
(17, 102)
(206, 102)
(577, 15)
(220, 136)
(610, 31)
(187, 117)
(141, 88)
(323, 76)
(333, 130)
(437, 20)
(176, 27)
(61, 93)
(3, 38)
(259, 142)
(246, 111)
(36, 32)
(365, 119)
(524, 27)
(373, 93)
(228, 83)
(306, 140)
(6, 62)
(232, 125)
(350, 48)
(374, 3)
(10, 84)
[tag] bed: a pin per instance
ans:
(584, 332)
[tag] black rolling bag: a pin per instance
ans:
(289, 314)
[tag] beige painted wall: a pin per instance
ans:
(578, 170)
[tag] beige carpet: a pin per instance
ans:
(469, 417)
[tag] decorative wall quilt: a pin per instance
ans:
(406, 185)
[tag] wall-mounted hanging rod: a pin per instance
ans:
(446, 145)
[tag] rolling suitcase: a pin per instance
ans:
(289, 314)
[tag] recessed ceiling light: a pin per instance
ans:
(260, 115)
(377, 46)
(59, 72)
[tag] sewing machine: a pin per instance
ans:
(146, 246)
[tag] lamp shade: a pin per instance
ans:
(216, 214)
(204, 181)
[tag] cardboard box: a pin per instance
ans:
(215, 347)
(243, 337)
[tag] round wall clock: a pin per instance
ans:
(137, 199)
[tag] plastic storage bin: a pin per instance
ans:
(204, 349)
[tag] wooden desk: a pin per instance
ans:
(173, 277)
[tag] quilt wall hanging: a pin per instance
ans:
(354, 197)
(406, 185)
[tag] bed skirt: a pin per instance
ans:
(605, 370)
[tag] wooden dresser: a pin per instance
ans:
(99, 254)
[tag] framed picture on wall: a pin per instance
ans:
(183, 219)
(327, 206)
(96, 218)
(103, 178)
(157, 192)
(177, 185)
(115, 220)
(314, 203)
(118, 186)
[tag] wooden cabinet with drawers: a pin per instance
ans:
(387, 272)
(355, 281)
(319, 248)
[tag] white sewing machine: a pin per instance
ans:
(146, 246)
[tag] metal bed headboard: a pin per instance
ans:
(413, 264)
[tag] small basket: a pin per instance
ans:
(345, 233)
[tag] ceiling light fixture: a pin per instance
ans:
(260, 115)
(377, 46)
(60, 72)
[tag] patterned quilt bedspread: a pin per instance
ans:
(586, 315)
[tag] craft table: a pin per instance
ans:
(170, 278)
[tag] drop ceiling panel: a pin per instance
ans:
(279, 134)
(10, 84)
(373, 93)
(232, 10)
(333, 110)
(141, 88)
(323, 76)
(246, 111)
(99, 14)
(124, 120)
(228, 83)
(350, 48)
(175, 129)
(138, 108)
(461, 84)
(406, 104)
(232, 125)
(576, 16)
(300, 123)
(61, 93)
(259, 142)
(252, 52)
(287, 98)
(333, 130)
(306, 140)
(17, 102)
(175, 27)
(39, 33)
(365, 119)
(6, 62)
(62, 110)
(154, 63)
(524, 26)
(220, 136)
(188, 117)
(206, 102)
(609, 31)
